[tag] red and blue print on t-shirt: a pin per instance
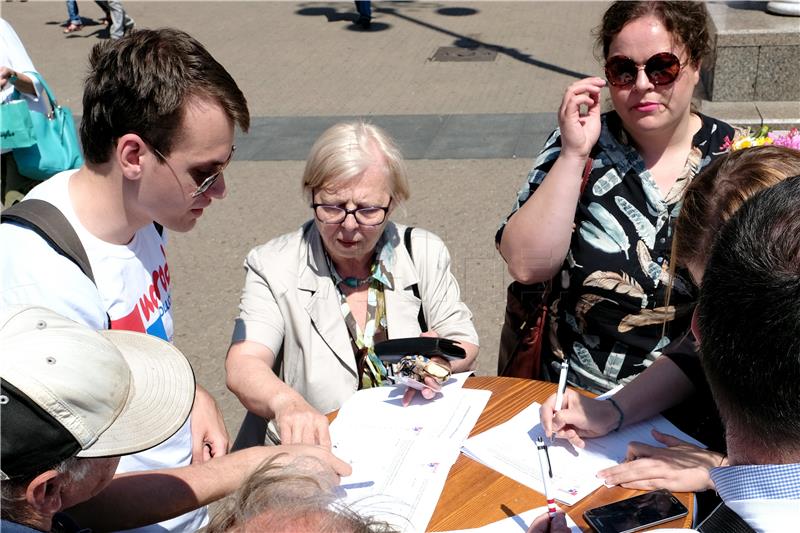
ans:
(148, 314)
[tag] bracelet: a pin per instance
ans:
(619, 410)
(725, 456)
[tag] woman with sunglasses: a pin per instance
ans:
(316, 301)
(597, 211)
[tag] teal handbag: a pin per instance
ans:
(16, 128)
(57, 148)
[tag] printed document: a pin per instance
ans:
(510, 449)
(401, 456)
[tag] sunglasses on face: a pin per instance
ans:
(661, 69)
(205, 183)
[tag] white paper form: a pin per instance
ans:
(449, 416)
(510, 449)
(401, 455)
(396, 480)
(515, 524)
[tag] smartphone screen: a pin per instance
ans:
(636, 513)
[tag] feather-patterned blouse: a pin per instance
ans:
(609, 296)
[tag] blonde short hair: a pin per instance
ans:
(345, 151)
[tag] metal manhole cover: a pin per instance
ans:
(457, 53)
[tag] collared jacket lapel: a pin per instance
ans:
(323, 304)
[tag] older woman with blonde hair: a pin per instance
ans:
(317, 300)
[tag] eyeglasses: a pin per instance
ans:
(661, 69)
(205, 183)
(366, 216)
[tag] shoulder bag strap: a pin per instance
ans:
(50, 97)
(415, 288)
(50, 224)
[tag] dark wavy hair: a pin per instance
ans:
(687, 21)
(141, 83)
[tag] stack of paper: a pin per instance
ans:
(510, 449)
(401, 455)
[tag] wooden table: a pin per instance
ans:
(475, 495)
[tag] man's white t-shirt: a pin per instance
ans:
(133, 290)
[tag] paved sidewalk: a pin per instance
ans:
(469, 129)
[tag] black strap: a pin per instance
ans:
(423, 325)
(51, 225)
(724, 520)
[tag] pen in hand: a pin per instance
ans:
(547, 475)
(562, 387)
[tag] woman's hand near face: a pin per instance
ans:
(579, 132)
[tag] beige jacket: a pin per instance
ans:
(289, 305)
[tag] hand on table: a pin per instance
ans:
(579, 132)
(209, 434)
(680, 467)
(579, 417)
(433, 383)
(299, 423)
(544, 524)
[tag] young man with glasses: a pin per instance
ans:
(157, 132)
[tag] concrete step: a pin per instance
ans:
(756, 55)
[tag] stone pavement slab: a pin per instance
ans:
(462, 136)
(468, 128)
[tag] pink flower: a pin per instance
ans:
(789, 140)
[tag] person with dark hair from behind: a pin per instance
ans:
(748, 325)
(157, 133)
(299, 496)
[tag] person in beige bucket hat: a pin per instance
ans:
(73, 400)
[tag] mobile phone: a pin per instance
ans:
(636, 513)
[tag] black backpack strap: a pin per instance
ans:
(415, 288)
(50, 224)
(724, 520)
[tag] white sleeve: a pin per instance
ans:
(13, 55)
(260, 318)
(33, 273)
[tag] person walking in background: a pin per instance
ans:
(74, 21)
(364, 10)
(120, 22)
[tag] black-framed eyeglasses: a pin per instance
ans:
(203, 184)
(365, 216)
(660, 69)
